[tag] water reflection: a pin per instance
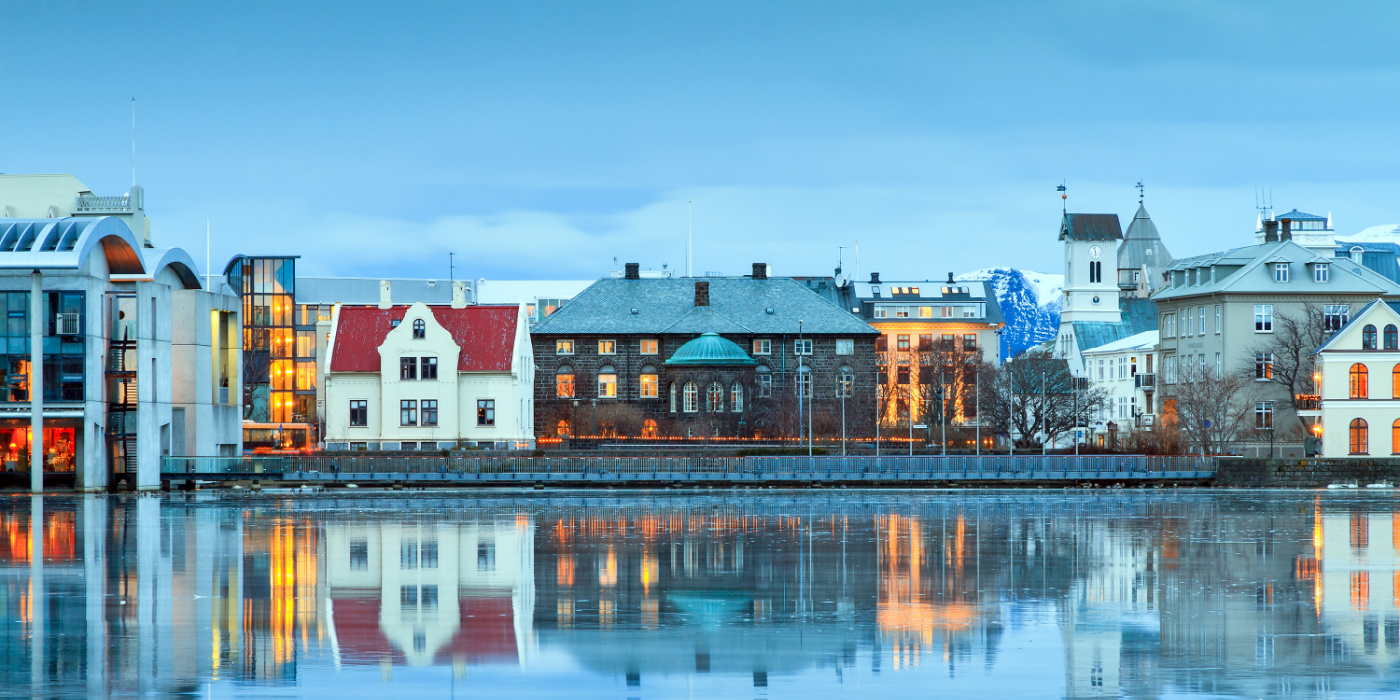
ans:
(1063, 595)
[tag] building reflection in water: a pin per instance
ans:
(1148, 594)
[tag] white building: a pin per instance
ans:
(134, 350)
(1123, 368)
(1359, 369)
(412, 377)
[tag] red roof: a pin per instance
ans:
(485, 632)
(486, 335)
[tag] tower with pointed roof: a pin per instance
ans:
(1141, 257)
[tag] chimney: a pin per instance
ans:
(633, 271)
(950, 278)
(874, 278)
(760, 271)
(702, 293)
(1287, 233)
(384, 302)
(459, 295)
(1270, 231)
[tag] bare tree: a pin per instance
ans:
(1290, 349)
(1209, 411)
(1035, 399)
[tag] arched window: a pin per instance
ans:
(649, 428)
(1358, 381)
(564, 382)
(1395, 382)
(1392, 338)
(764, 377)
(845, 382)
(1395, 437)
(691, 394)
(804, 382)
(1356, 253)
(607, 382)
(420, 329)
(1358, 437)
(1368, 337)
(649, 384)
(562, 428)
(736, 398)
(714, 399)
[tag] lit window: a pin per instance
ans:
(564, 383)
(607, 383)
(563, 347)
(649, 428)
(1359, 381)
(649, 383)
(649, 347)
(1358, 438)
(762, 346)
(1264, 365)
(925, 312)
(485, 412)
(607, 347)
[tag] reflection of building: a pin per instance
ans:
(132, 347)
(431, 592)
(429, 377)
(1357, 577)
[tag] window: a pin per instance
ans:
(1100, 364)
(649, 383)
(1395, 437)
(882, 343)
(1122, 368)
(1263, 365)
(1095, 271)
(430, 412)
(408, 558)
(925, 342)
(607, 382)
(925, 312)
(691, 394)
(607, 347)
(902, 342)
(359, 413)
(429, 367)
(902, 373)
(563, 347)
(969, 341)
(881, 312)
(845, 346)
(804, 382)
(1169, 370)
(649, 428)
(1203, 365)
(1355, 253)
(762, 346)
(564, 383)
(1395, 383)
(845, 383)
(408, 368)
(1334, 316)
(486, 412)
(1358, 381)
(1168, 325)
(1263, 318)
(428, 556)
(901, 312)
(408, 412)
(1219, 374)
(736, 398)
(714, 398)
(1264, 415)
(1203, 320)
(802, 347)
(1358, 441)
(765, 381)
(1368, 337)
(1390, 337)
(1280, 272)
(562, 428)
(486, 556)
(673, 397)
(1189, 322)
(1321, 272)
(359, 555)
(420, 329)
(649, 347)
(1217, 319)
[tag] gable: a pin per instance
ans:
(1377, 313)
(484, 334)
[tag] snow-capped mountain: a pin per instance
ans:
(1386, 233)
(1030, 301)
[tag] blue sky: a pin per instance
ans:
(541, 140)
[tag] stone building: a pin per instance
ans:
(715, 357)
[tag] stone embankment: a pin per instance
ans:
(1305, 473)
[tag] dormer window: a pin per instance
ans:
(875, 291)
(1321, 272)
(1356, 252)
(420, 329)
(1280, 272)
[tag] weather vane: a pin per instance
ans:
(1064, 196)
(1139, 189)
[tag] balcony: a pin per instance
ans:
(1145, 381)
(1309, 405)
(94, 204)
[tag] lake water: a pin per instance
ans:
(772, 594)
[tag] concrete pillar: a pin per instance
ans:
(36, 382)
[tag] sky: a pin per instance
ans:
(539, 140)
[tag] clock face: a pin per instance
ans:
(1095, 252)
(1096, 298)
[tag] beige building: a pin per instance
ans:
(1359, 413)
(1220, 313)
(420, 377)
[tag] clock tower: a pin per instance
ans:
(1091, 268)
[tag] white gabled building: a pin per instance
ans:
(1123, 368)
(421, 377)
(1359, 387)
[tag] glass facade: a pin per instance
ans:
(65, 324)
(279, 342)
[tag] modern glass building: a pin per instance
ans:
(279, 354)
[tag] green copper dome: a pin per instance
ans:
(710, 350)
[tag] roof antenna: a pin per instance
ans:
(689, 229)
(133, 140)
(1064, 197)
(1140, 192)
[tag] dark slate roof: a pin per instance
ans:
(710, 350)
(1142, 237)
(1296, 215)
(1091, 227)
(667, 305)
(1139, 315)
